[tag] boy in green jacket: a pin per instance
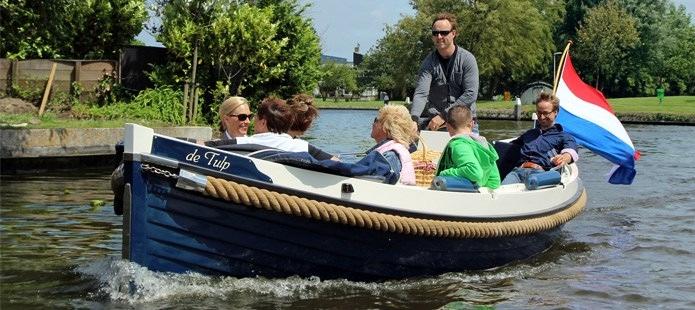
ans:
(468, 155)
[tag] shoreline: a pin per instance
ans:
(30, 149)
(26, 150)
(626, 118)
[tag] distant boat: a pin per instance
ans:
(190, 208)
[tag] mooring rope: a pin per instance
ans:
(309, 208)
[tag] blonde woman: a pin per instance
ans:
(394, 131)
(235, 117)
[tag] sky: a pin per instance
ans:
(342, 24)
(689, 7)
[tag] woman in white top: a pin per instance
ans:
(235, 117)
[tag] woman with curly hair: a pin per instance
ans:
(305, 113)
(302, 105)
(394, 131)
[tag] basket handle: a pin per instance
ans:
(424, 148)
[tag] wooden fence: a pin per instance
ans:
(32, 75)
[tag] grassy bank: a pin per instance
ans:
(676, 105)
(681, 105)
(641, 109)
(679, 109)
(342, 104)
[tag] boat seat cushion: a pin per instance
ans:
(543, 179)
(453, 184)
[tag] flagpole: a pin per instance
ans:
(560, 65)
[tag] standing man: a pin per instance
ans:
(448, 76)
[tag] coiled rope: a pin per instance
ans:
(308, 208)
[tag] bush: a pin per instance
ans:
(158, 104)
(27, 92)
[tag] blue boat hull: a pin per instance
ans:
(174, 230)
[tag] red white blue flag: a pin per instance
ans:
(585, 113)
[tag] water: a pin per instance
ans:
(631, 248)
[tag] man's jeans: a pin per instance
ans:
(519, 175)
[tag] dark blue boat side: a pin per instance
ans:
(172, 221)
(179, 231)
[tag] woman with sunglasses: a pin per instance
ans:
(235, 117)
(448, 76)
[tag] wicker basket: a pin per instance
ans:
(425, 163)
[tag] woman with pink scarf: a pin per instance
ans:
(394, 131)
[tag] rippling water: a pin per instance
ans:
(631, 248)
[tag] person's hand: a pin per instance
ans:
(435, 123)
(561, 160)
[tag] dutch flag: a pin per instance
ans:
(585, 113)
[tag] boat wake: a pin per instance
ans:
(122, 281)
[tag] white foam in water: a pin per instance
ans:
(122, 280)
(517, 272)
(125, 281)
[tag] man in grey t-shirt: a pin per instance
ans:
(448, 76)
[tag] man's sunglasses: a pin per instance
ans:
(242, 117)
(444, 33)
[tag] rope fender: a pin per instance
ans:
(328, 212)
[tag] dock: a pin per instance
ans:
(26, 150)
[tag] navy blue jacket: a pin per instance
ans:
(373, 165)
(539, 146)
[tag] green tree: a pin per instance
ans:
(662, 31)
(605, 39)
(68, 28)
(675, 56)
(255, 49)
(512, 40)
(661, 58)
(566, 29)
(392, 65)
(374, 73)
(302, 53)
(337, 79)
